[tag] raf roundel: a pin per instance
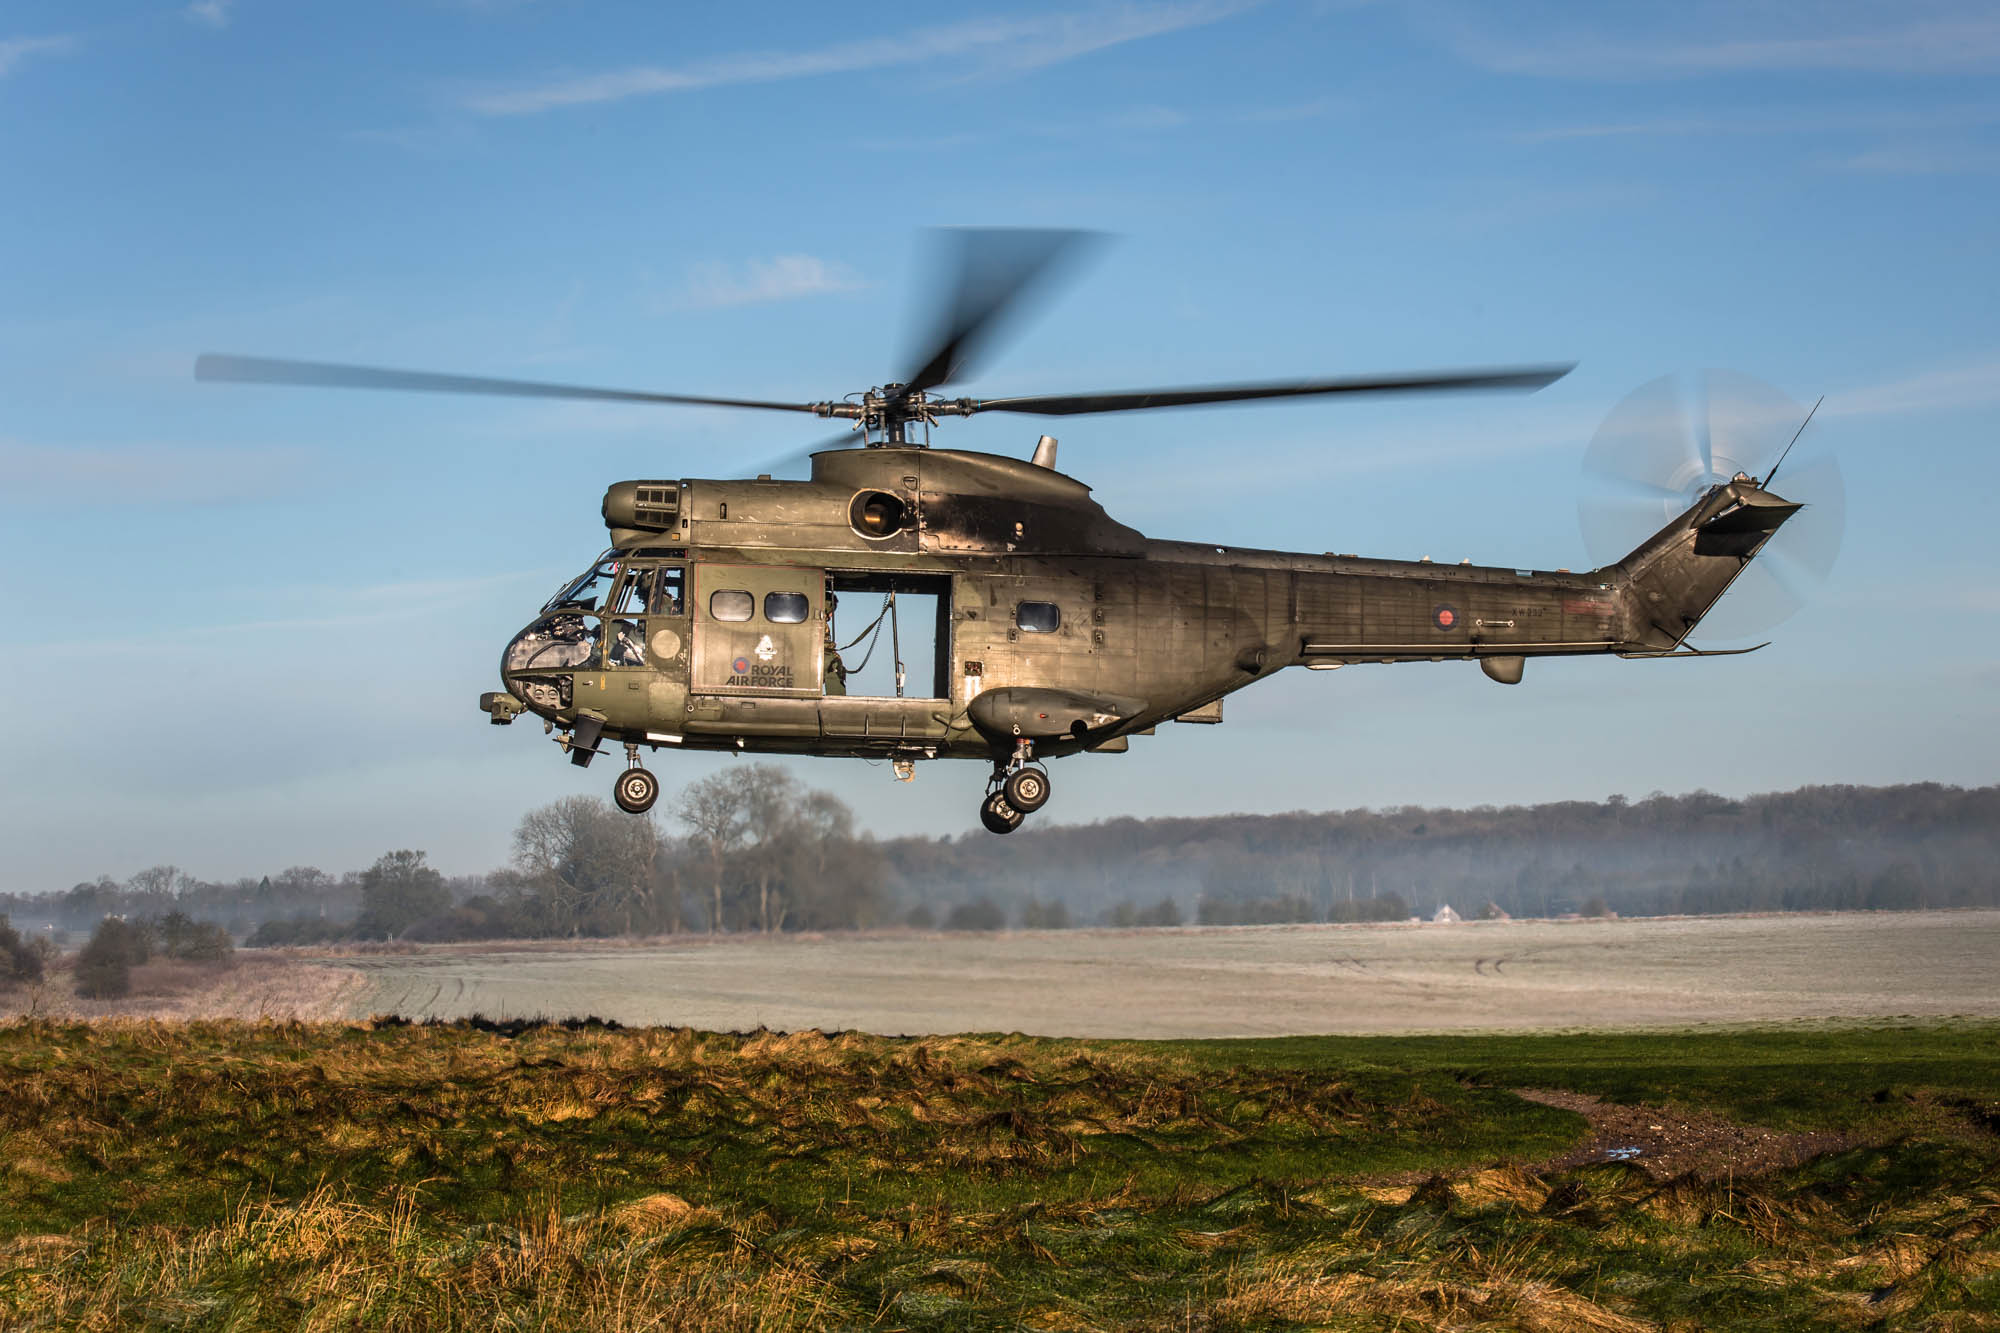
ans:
(1445, 617)
(741, 666)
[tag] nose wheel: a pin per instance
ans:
(636, 789)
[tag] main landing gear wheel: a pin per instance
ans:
(998, 816)
(636, 791)
(1027, 789)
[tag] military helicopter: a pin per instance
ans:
(1048, 628)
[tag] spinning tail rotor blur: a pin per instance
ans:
(1672, 439)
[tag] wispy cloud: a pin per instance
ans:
(212, 13)
(1907, 40)
(976, 46)
(32, 475)
(714, 286)
(1515, 203)
(1138, 120)
(1925, 160)
(16, 50)
(1970, 384)
(1760, 121)
(325, 606)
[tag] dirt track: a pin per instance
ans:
(1259, 981)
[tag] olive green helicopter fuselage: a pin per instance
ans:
(1057, 629)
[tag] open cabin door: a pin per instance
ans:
(893, 631)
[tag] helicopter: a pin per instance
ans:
(1042, 627)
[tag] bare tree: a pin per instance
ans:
(770, 816)
(583, 858)
(713, 811)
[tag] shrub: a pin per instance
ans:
(1039, 915)
(296, 930)
(1126, 914)
(20, 960)
(979, 914)
(104, 966)
(194, 941)
(398, 891)
(920, 917)
(1252, 911)
(1388, 907)
(481, 918)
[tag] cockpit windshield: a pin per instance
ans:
(581, 593)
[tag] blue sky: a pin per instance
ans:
(246, 627)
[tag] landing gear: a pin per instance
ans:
(1027, 789)
(1016, 790)
(636, 789)
(998, 816)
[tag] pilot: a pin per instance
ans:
(628, 645)
(836, 670)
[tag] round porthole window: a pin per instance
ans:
(878, 514)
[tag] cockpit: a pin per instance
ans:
(597, 620)
(581, 593)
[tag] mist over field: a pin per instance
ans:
(750, 850)
(1195, 982)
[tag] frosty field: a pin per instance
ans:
(1246, 981)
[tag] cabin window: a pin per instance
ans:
(786, 608)
(1038, 617)
(731, 604)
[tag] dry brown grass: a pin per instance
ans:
(230, 1176)
(256, 987)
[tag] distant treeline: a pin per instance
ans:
(1830, 848)
(749, 849)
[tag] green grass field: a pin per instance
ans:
(235, 1176)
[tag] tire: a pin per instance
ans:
(635, 791)
(998, 816)
(1027, 789)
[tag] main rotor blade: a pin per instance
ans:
(852, 439)
(991, 270)
(1135, 400)
(325, 375)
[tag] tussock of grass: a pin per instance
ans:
(225, 1175)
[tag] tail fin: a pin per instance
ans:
(1674, 578)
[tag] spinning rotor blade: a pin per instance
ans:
(991, 270)
(1135, 400)
(1667, 442)
(848, 439)
(321, 374)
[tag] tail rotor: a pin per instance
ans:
(1672, 439)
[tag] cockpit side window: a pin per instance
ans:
(634, 593)
(669, 583)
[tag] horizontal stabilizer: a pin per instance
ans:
(1742, 529)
